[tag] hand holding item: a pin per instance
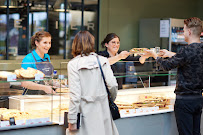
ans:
(146, 54)
(151, 53)
(49, 90)
(166, 53)
(72, 127)
(124, 54)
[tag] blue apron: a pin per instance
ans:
(46, 67)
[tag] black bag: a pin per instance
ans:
(113, 107)
(66, 120)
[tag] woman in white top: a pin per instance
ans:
(88, 94)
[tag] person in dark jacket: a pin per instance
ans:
(112, 44)
(189, 83)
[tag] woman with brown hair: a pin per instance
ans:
(88, 95)
(39, 59)
(111, 43)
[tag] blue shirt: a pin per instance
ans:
(29, 60)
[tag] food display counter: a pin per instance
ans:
(22, 112)
(144, 110)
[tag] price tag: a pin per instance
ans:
(170, 106)
(38, 120)
(152, 109)
(5, 123)
(132, 111)
(145, 109)
(44, 120)
(11, 78)
(30, 121)
(139, 110)
(20, 122)
(156, 108)
(123, 112)
(39, 76)
(60, 76)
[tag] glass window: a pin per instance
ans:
(90, 17)
(52, 19)
(2, 35)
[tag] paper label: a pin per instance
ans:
(139, 110)
(164, 28)
(145, 110)
(170, 106)
(123, 112)
(156, 108)
(153, 109)
(5, 123)
(30, 121)
(35, 121)
(132, 111)
(44, 120)
(11, 78)
(39, 76)
(20, 122)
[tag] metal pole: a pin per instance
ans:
(27, 29)
(47, 10)
(82, 21)
(98, 16)
(64, 55)
(7, 29)
(32, 25)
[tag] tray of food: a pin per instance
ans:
(28, 73)
(138, 51)
(6, 114)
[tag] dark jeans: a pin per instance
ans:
(188, 110)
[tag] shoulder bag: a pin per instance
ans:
(113, 107)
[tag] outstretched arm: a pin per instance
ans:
(34, 86)
(122, 55)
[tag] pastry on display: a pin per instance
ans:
(62, 90)
(144, 104)
(61, 81)
(63, 107)
(6, 114)
(4, 74)
(124, 105)
(28, 73)
(146, 101)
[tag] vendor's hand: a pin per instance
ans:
(146, 54)
(124, 54)
(72, 127)
(49, 90)
(151, 53)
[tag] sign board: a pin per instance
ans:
(164, 28)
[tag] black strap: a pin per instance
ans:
(107, 89)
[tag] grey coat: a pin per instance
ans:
(89, 97)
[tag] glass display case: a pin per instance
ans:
(24, 101)
(143, 92)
